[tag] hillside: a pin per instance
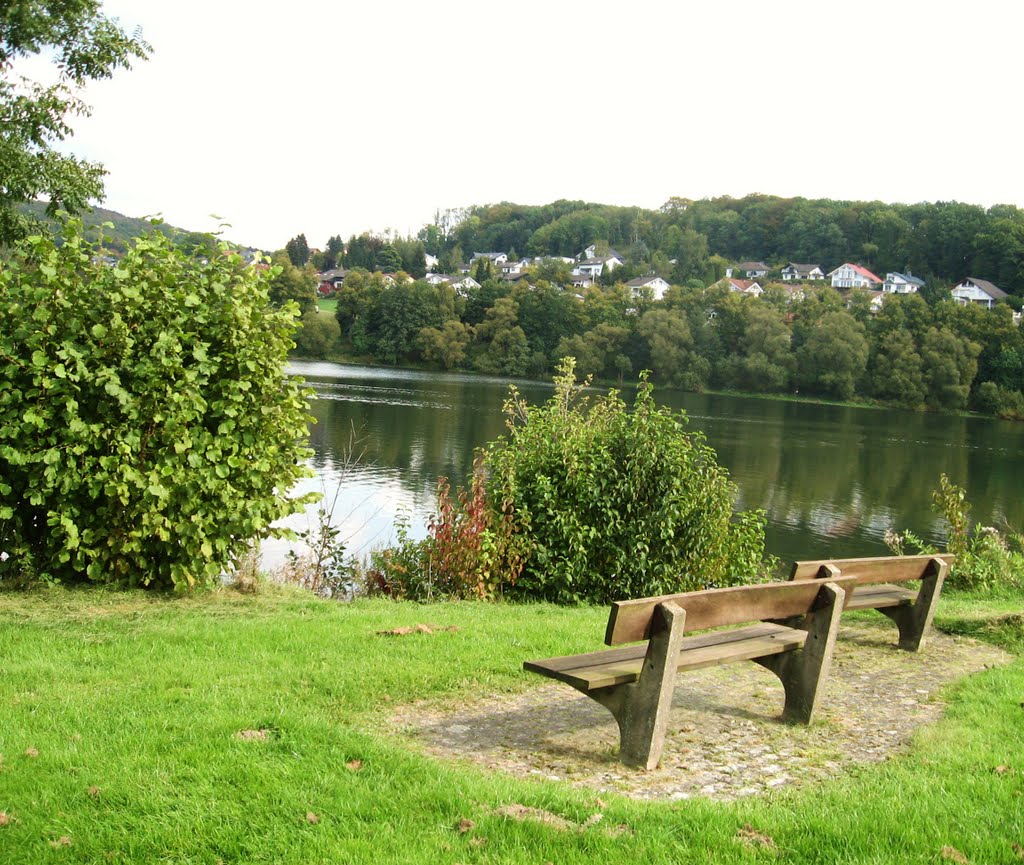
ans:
(121, 229)
(942, 242)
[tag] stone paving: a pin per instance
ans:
(724, 741)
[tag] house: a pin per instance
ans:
(582, 280)
(596, 266)
(979, 291)
(802, 272)
(744, 286)
(591, 252)
(875, 299)
(511, 268)
(331, 280)
(439, 278)
(465, 285)
(495, 257)
(902, 283)
(853, 276)
(751, 269)
(431, 260)
(655, 284)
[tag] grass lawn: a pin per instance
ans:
(248, 729)
(327, 304)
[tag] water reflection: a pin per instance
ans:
(832, 479)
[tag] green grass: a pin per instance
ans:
(120, 715)
(327, 304)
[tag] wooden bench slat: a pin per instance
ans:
(878, 569)
(880, 595)
(630, 621)
(623, 665)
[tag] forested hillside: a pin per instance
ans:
(940, 242)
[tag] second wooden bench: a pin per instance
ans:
(875, 588)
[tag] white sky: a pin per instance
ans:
(335, 118)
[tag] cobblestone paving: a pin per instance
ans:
(724, 740)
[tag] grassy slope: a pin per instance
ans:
(142, 699)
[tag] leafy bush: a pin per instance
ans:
(987, 561)
(147, 430)
(469, 551)
(401, 570)
(611, 503)
(317, 336)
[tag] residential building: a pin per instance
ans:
(591, 252)
(794, 272)
(465, 285)
(854, 276)
(902, 283)
(979, 291)
(596, 266)
(495, 257)
(331, 280)
(750, 269)
(655, 284)
(744, 286)
(875, 298)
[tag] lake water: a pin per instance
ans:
(832, 479)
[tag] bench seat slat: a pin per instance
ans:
(623, 665)
(880, 595)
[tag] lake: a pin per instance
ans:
(832, 479)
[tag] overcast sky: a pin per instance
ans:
(335, 118)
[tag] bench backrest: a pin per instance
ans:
(879, 569)
(630, 621)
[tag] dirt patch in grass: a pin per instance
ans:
(724, 738)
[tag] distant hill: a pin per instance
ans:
(121, 230)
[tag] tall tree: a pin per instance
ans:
(298, 250)
(832, 359)
(292, 283)
(84, 45)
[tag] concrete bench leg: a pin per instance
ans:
(915, 619)
(803, 672)
(642, 708)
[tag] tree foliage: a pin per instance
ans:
(297, 250)
(84, 45)
(147, 429)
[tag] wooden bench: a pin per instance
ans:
(912, 611)
(636, 682)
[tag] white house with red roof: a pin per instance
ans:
(854, 276)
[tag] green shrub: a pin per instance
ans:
(400, 571)
(317, 336)
(147, 430)
(987, 560)
(611, 503)
(469, 551)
